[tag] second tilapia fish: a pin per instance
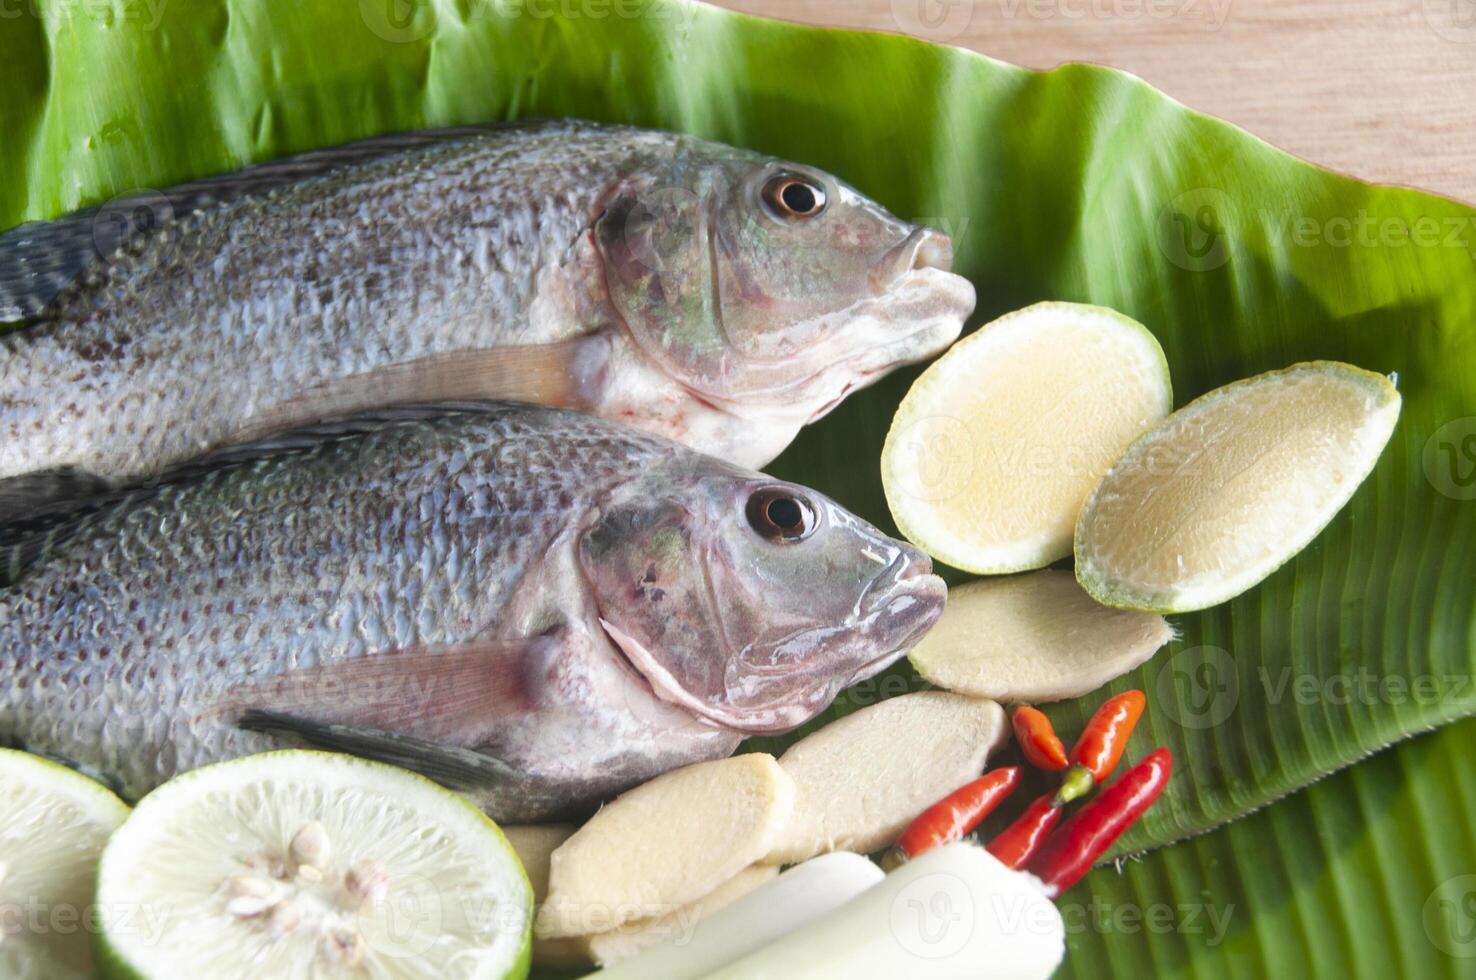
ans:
(537, 607)
(714, 295)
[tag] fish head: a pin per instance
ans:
(749, 601)
(767, 287)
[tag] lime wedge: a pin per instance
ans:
(1231, 486)
(994, 450)
(53, 825)
(305, 864)
(1036, 637)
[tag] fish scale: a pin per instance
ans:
(447, 548)
(563, 263)
(142, 576)
(387, 253)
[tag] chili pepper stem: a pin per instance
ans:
(1077, 782)
(1071, 851)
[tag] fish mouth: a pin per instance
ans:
(896, 610)
(934, 301)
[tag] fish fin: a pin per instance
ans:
(40, 259)
(38, 510)
(33, 495)
(450, 693)
(490, 782)
(565, 374)
(452, 766)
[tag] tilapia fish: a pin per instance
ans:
(714, 295)
(534, 606)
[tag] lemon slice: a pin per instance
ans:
(53, 824)
(307, 864)
(1036, 637)
(1231, 486)
(994, 450)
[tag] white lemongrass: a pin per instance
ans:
(791, 901)
(952, 914)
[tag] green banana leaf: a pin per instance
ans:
(1078, 184)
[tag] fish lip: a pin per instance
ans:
(923, 248)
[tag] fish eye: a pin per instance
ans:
(791, 197)
(779, 514)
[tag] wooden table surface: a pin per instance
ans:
(1380, 89)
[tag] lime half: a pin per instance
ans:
(994, 450)
(53, 825)
(1231, 486)
(309, 864)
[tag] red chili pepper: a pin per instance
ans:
(957, 813)
(1106, 734)
(1071, 851)
(1014, 845)
(1038, 740)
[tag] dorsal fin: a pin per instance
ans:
(28, 532)
(40, 259)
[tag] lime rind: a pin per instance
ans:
(56, 822)
(930, 521)
(1116, 587)
(427, 813)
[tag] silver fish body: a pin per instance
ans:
(644, 276)
(537, 607)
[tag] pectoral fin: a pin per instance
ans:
(452, 694)
(567, 374)
(492, 784)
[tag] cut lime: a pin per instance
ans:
(994, 450)
(53, 824)
(305, 864)
(1035, 637)
(1231, 486)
